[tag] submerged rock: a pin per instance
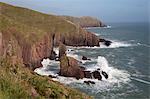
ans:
(85, 58)
(106, 42)
(89, 82)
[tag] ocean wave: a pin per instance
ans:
(114, 44)
(47, 63)
(141, 44)
(116, 77)
(140, 80)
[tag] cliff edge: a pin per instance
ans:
(85, 21)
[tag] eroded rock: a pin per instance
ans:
(69, 68)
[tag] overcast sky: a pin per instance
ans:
(106, 10)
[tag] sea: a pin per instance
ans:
(126, 60)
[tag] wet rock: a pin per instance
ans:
(98, 68)
(70, 50)
(51, 76)
(87, 74)
(107, 43)
(85, 58)
(102, 40)
(89, 82)
(105, 74)
(96, 75)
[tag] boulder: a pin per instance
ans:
(107, 43)
(87, 74)
(105, 74)
(98, 68)
(69, 67)
(96, 75)
(84, 58)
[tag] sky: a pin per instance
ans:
(105, 10)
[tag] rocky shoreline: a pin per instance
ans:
(26, 40)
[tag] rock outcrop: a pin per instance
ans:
(105, 42)
(69, 68)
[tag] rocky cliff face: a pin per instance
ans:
(40, 50)
(29, 36)
(85, 21)
(17, 49)
(79, 37)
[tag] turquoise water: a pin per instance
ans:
(126, 61)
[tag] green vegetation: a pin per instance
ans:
(17, 82)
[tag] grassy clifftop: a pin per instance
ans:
(28, 21)
(85, 21)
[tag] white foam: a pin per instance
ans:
(46, 64)
(141, 80)
(71, 54)
(116, 77)
(107, 27)
(56, 49)
(115, 44)
(141, 44)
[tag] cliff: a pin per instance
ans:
(29, 36)
(26, 37)
(85, 21)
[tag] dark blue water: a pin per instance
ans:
(134, 59)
